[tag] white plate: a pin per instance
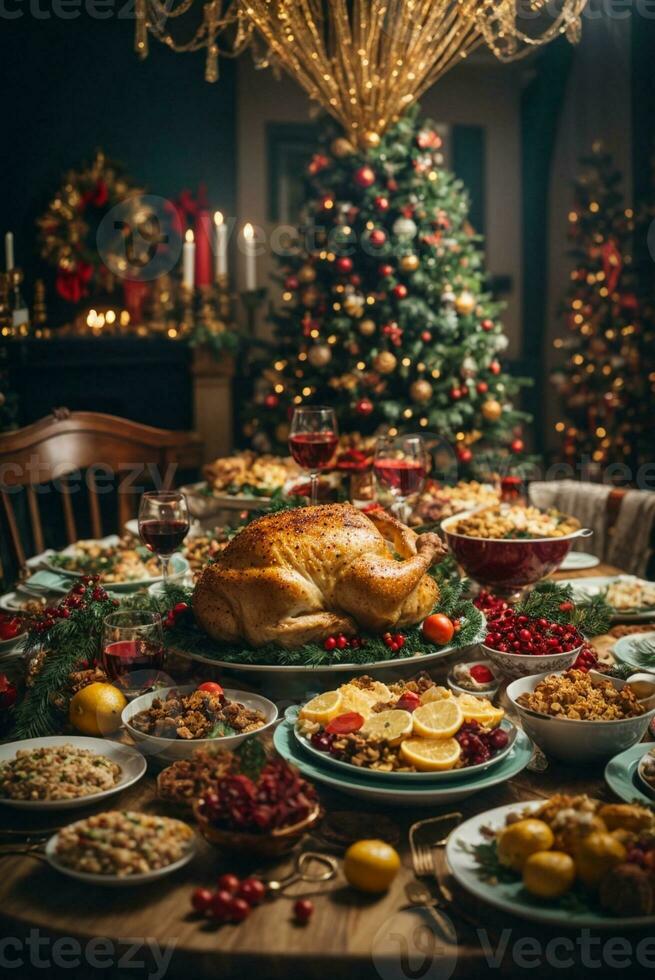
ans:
(511, 896)
(12, 602)
(115, 881)
(624, 649)
(454, 775)
(165, 750)
(586, 588)
(179, 567)
(132, 763)
(576, 561)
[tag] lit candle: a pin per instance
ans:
(220, 254)
(188, 260)
(251, 261)
(9, 251)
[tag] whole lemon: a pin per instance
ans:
(371, 865)
(521, 839)
(96, 709)
(596, 855)
(548, 874)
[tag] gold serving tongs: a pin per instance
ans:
(303, 872)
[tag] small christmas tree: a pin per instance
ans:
(607, 383)
(385, 313)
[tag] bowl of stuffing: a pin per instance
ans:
(171, 723)
(583, 716)
(508, 547)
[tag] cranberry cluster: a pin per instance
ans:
(491, 605)
(395, 641)
(479, 746)
(342, 642)
(79, 597)
(235, 898)
(279, 798)
(511, 632)
(179, 609)
(586, 659)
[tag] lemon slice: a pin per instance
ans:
(431, 754)
(480, 710)
(322, 708)
(393, 725)
(435, 693)
(438, 719)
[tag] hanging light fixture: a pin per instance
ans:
(364, 61)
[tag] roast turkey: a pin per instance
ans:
(300, 575)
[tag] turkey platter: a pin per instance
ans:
(300, 575)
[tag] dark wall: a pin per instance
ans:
(71, 86)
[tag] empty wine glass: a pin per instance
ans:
(400, 467)
(163, 524)
(313, 440)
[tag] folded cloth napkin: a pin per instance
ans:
(631, 544)
(45, 581)
(586, 501)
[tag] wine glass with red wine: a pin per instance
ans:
(400, 466)
(163, 524)
(313, 441)
(133, 650)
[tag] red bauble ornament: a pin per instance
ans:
(494, 367)
(392, 185)
(487, 324)
(377, 237)
(385, 269)
(365, 176)
(382, 203)
(400, 291)
(344, 264)
(517, 446)
(482, 387)
(464, 455)
(291, 282)
(364, 406)
(271, 401)
(426, 336)
(455, 394)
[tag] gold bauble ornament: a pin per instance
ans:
(282, 432)
(420, 391)
(385, 362)
(319, 355)
(409, 263)
(492, 410)
(371, 139)
(341, 147)
(367, 327)
(309, 296)
(306, 273)
(465, 303)
(354, 304)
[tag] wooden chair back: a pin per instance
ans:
(71, 451)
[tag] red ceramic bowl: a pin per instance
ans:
(503, 565)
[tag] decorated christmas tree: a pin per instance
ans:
(607, 382)
(385, 312)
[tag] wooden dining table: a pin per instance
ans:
(150, 931)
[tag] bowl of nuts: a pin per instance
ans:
(583, 716)
(510, 547)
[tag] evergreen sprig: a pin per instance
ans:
(554, 601)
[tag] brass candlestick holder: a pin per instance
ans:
(252, 300)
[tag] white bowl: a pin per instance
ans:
(489, 692)
(527, 664)
(572, 740)
(166, 750)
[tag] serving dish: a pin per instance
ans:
(626, 650)
(577, 741)
(585, 588)
(446, 792)
(179, 567)
(507, 565)
(526, 665)
(165, 750)
(510, 896)
(578, 561)
(132, 763)
(623, 777)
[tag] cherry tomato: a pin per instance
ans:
(303, 910)
(438, 629)
(352, 721)
(201, 899)
(212, 688)
(408, 701)
(220, 907)
(228, 882)
(252, 891)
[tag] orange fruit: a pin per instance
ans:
(371, 865)
(96, 709)
(597, 854)
(521, 839)
(549, 874)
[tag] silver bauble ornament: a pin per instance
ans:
(405, 228)
(448, 297)
(469, 368)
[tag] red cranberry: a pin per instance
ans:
(201, 900)
(219, 908)
(239, 910)
(228, 882)
(252, 891)
(330, 643)
(303, 910)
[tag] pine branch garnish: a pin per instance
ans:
(554, 602)
(644, 653)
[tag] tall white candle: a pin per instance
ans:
(220, 254)
(251, 261)
(188, 260)
(9, 251)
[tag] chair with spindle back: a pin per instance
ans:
(69, 450)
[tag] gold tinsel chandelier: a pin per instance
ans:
(365, 61)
